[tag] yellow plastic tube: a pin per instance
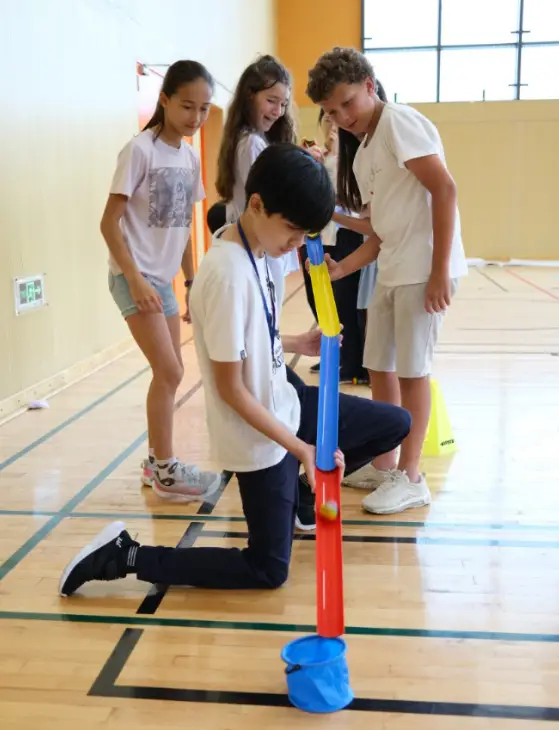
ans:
(326, 310)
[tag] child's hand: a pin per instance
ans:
(314, 150)
(307, 457)
(339, 460)
(144, 296)
(309, 343)
(438, 294)
(335, 269)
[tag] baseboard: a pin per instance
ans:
(18, 403)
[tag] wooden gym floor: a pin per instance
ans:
(452, 611)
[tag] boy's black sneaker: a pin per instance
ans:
(103, 559)
(306, 517)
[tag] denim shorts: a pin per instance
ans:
(118, 286)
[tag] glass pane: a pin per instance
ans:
(541, 18)
(475, 74)
(539, 71)
(384, 27)
(479, 21)
(407, 75)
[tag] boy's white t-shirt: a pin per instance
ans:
(162, 184)
(230, 325)
(250, 146)
(400, 206)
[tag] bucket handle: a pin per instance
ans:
(294, 668)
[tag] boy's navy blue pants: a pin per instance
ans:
(269, 498)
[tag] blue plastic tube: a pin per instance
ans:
(328, 403)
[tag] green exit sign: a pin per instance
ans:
(29, 293)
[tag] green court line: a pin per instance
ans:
(145, 620)
(511, 527)
(72, 503)
(69, 421)
(57, 518)
(77, 416)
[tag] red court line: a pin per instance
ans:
(534, 286)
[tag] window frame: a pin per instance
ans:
(518, 45)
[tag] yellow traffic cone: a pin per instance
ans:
(440, 438)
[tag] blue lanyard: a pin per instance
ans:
(270, 318)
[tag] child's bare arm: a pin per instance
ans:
(358, 225)
(433, 175)
(232, 390)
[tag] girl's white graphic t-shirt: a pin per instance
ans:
(162, 183)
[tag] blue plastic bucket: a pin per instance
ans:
(317, 674)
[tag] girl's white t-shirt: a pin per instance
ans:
(400, 206)
(162, 183)
(230, 325)
(250, 146)
(328, 234)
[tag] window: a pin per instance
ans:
(465, 22)
(384, 27)
(407, 77)
(464, 50)
(540, 65)
(477, 74)
(541, 20)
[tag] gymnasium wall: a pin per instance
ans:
(70, 102)
(503, 155)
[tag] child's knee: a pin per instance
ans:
(169, 374)
(272, 574)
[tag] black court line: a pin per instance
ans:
(402, 540)
(106, 686)
(489, 278)
(156, 594)
(429, 525)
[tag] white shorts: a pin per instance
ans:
(401, 335)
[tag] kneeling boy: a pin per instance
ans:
(262, 425)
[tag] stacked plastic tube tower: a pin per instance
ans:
(329, 563)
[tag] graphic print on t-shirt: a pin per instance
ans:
(375, 170)
(277, 355)
(278, 358)
(170, 197)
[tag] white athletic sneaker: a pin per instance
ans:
(397, 494)
(368, 477)
(184, 483)
(148, 466)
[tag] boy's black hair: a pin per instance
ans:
(216, 216)
(292, 184)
